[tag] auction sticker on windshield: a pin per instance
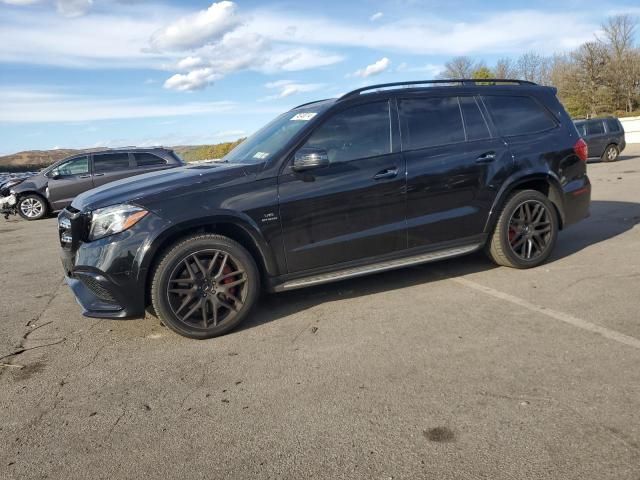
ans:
(303, 117)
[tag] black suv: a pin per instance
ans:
(380, 178)
(604, 137)
(57, 185)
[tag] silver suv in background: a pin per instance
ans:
(604, 137)
(56, 186)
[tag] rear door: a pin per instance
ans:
(353, 208)
(68, 180)
(108, 167)
(454, 166)
(597, 137)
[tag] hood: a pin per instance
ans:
(150, 186)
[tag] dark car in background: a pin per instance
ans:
(56, 186)
(604, 137)
(383, 177)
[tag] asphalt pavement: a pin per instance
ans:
(451, 370)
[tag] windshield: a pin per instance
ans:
(269, 139)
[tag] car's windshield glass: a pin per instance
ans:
(272, 137)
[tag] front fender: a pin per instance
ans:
(220, 221)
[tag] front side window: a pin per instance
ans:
(362, 131)
(612, 125)
(518, 115)
(77, 166)
(110, 162)
(429, 122)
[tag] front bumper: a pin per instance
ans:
(106, 276)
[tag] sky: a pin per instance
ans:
(94, 73)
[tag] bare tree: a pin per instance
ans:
(505, 68)
(458, 67)
(591, 59)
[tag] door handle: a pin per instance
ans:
(486, 157)
(84, 176)
(98, 174)
(386, 173)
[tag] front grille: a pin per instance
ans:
(96, 287)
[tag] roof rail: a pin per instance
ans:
(458, 81)
(311, 103)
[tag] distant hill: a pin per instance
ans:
(37, 159)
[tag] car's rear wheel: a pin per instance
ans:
(204, 286)
(610, 154)
(526, 231)
(32, 207)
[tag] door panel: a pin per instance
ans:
(73, 178)
(450, 189)
(340, 213)
(354, 207)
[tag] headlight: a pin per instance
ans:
(115, 219)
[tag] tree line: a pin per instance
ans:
(600, 77)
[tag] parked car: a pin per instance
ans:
(56, 186)
(604, 137)
(383, 177)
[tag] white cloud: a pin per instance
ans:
(376, 16)
(288, 88)
(514, 31)
(194, 80)
(34, 106)
(20, 2)
(430, 70)
(373, 69)
(73, 8)
(196, 30)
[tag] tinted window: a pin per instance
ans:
(148, 159)
(582, 130)
(110, 162)
(474, 123)
(358, 132)
(612, 125)
(78, 166)
(428, 122)
(518, 115)
(595, 128)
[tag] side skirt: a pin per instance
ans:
(376, 267)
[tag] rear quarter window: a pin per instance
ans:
(518, 115)
(148, 160)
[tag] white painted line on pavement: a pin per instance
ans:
(561, 316)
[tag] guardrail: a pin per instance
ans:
(631, 129)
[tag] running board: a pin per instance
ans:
(377, 267)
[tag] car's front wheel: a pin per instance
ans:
(526, 231)
(32, 207)
(204, 286)
(610, 154)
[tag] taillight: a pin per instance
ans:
(581, 149)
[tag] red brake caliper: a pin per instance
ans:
(512, 234)
(226, 270)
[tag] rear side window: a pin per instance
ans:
(148, 159)
(595, 128)
(518, 115)
(428, 122)
(612, 125)
(358, 132)
(474, 123)
(110, 162)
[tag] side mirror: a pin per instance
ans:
(55, 175)
(310, 158)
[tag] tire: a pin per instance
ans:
(518, 241)
(32, 207)
(194, 290)
(610, 153)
